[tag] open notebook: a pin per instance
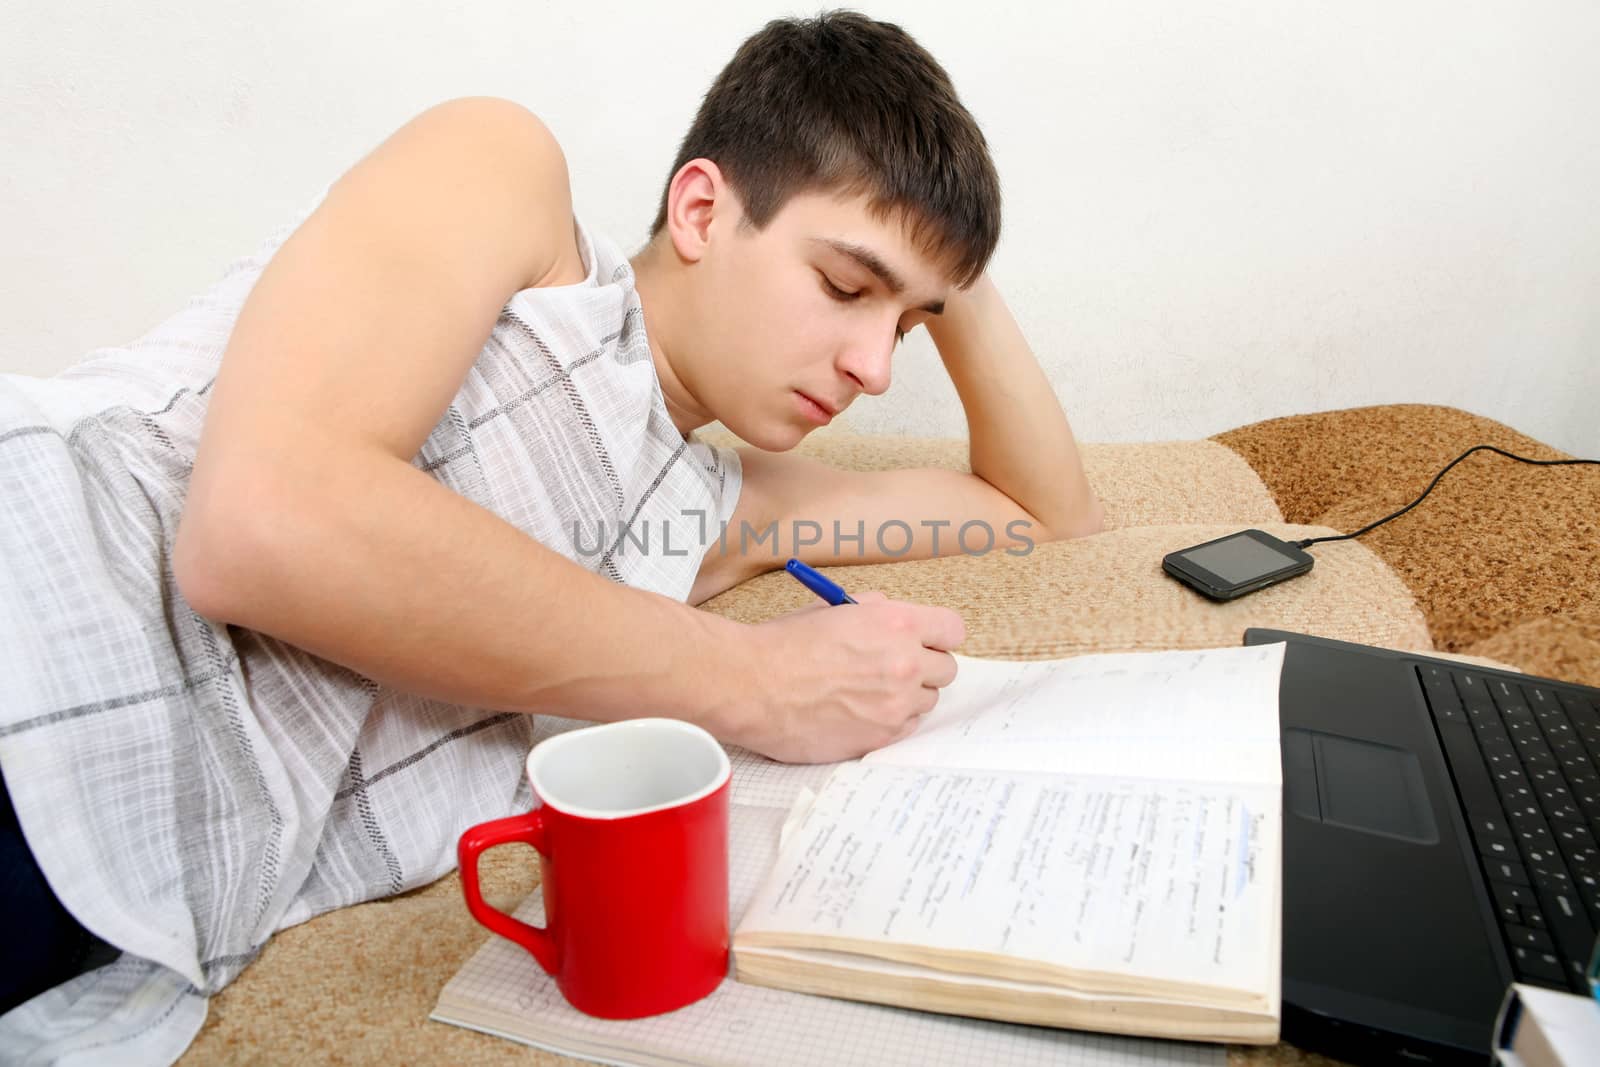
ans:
(1090, 843)
(501, 991)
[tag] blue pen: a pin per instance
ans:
(818, 583)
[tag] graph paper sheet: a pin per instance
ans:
(740, 1024)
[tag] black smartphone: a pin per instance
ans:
(1240, 563)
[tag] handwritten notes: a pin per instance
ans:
(1069, 821)
(1101, 875)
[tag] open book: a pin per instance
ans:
(1092, 843)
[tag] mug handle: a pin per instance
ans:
(527, 829)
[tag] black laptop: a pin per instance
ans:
(1440, 827)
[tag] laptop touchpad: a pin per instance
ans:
(1360, 785)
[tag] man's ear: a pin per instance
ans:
(697, 194)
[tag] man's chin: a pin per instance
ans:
(775, 437)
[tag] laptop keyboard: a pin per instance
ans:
(1525, 755)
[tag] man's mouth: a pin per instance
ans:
(814, 409)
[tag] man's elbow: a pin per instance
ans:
(218, 558)
(1086, 519)
(1090, 519)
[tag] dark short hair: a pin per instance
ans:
(842, 102)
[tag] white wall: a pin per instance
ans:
(1216, 212)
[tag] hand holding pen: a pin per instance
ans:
(821, 686)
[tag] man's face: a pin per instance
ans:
(797, 320)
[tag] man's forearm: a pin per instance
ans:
(373, 565)
(1020, 441)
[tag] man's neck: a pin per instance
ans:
(656, 279)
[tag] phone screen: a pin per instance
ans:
(1238, 559)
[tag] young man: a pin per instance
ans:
(287, 576)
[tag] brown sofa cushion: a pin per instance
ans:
(1503, 558)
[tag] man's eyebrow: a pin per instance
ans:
(874, 262)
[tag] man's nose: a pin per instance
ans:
(869, 364)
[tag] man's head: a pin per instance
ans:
(841, 103)
(830, 157)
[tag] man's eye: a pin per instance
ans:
(836, 292)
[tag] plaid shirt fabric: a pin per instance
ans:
(191, 788)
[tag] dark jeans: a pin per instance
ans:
(44, 945)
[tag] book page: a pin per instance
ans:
(1199, 716)
(1122, 877)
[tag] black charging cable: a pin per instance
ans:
(1476, 448)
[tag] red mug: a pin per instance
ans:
(631, 826)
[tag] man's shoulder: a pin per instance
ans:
(517, 163)
(499, 120)
(507, 135)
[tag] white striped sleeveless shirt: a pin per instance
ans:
(190, 788)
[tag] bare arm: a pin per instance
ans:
(306, 520)
(1020, 441)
